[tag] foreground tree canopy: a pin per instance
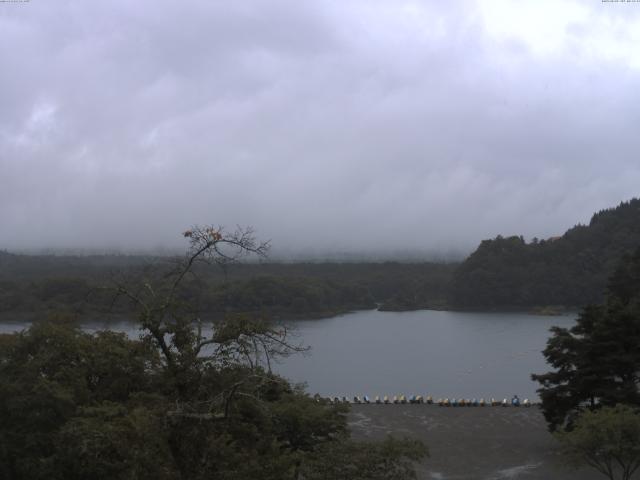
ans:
(607, 440)
(185, 401)
(596, 362)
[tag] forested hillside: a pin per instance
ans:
(570, 270)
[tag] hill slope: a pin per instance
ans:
(571, 270)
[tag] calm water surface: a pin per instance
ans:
(444, 354)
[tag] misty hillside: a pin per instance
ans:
(506, 272)
(570, 270)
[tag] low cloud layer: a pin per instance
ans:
(328, 125)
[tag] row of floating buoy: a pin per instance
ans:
(443, 402)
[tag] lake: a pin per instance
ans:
(443, 354)
(426, 352)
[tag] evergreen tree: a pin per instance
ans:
(569, 270)
(596, 362)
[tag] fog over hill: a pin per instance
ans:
(331, 126)
(277, 255)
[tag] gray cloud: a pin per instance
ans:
(332, 125)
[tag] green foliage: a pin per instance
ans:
(607, 440)
(49, 376)
(110, 440)
(77, 405)
(186, 401)
(571, 270)
(37, 285)
(286, 295)
(597, 361)
(390, 459)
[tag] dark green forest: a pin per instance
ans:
(569, 271)
(30, 285)
(597, 361)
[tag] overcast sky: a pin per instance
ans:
(332, 125)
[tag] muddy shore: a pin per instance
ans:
(471, 443)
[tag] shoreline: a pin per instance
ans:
(120, 317)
